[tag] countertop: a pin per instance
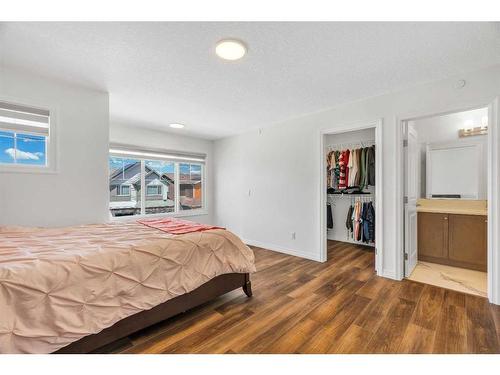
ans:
(453, 206)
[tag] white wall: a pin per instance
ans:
(138, 136)
(77, 193)
(445, 129)
(280, 165)
(340, 204)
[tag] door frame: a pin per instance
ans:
(379, 180)
(493, 186)
(406, 205)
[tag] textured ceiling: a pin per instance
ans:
(158, 73)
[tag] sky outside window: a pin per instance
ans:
(22, 148)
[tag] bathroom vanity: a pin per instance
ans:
(453, 232)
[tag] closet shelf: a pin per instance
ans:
(341, 193)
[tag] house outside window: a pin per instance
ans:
(159, 185)
(25, 138)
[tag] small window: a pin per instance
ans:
(154, 190)
(124, 190)
(24, 135)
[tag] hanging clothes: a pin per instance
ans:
(367, 172)
(371, 165)
(355, 168)
(337, 170)
(358, 161)
(351, 171)
(351, 168)
(329, 216)
(360, 221)
(370, 219)
(328, 170)
(346, 161)
(366, 237)
(348, 221)
(357, 221)
(342, 166)
(362, 173)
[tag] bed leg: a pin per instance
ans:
(247, 287)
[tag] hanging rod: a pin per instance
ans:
(339, 193)
(343, 146)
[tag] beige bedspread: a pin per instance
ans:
(59, 285)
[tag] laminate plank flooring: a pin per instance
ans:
(340, 306)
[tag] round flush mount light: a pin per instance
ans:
(176, 126)
(230, 49)
(460, 84)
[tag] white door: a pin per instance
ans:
(412, 151)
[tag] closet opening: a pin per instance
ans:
(446, 199)
(351, 170)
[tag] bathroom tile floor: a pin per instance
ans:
(459, 279)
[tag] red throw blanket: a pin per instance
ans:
(176, 226)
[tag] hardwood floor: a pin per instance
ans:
(301, 306)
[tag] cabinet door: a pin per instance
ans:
(432, 236)
(468, 240)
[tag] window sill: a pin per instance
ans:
(187, 213)
(4, 168)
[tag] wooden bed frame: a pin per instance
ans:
(205, 293)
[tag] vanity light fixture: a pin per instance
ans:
(471, 130)
(484, 122)
(176, 126)
(230, 49)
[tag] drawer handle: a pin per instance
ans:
(445, 218)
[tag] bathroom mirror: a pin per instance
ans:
(453, 170)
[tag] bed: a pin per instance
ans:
(74, 289)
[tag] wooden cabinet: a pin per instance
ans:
(452, 239)
(432, 235)
(467, 241)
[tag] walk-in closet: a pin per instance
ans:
(350, 186)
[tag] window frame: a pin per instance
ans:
(158, 187)
(177, 211)
(120, 187)
(51, 150)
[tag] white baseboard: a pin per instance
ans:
(281, 249)
(390, 274)
(349, 240)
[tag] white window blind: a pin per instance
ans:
(22, 119)
(155, 154)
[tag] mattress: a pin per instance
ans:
(59, 285)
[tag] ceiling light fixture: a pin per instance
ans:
(230, 49)
(176, 126)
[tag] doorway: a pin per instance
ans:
(357, 137)
(446, 200)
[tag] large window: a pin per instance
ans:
(144, 186)
(24, 135)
